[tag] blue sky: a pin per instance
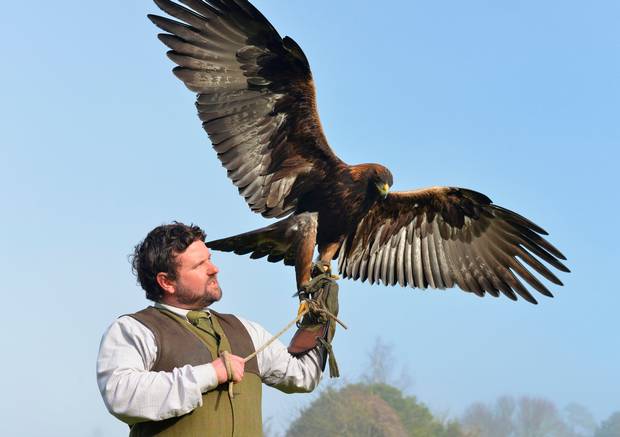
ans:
(100, 142)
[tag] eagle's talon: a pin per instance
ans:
(303, 307)
(321, 267)
(303, 291)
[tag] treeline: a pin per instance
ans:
(382, 410)
(535, 417)
(374, 407)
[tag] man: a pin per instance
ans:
(161, 370)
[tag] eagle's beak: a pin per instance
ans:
(383, 190)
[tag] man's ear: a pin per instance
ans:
(167, 284)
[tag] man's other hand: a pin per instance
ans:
(237, 365)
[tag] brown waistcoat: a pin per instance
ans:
(180, 343)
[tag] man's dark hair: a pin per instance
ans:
(157, 253)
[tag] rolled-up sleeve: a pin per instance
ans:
(132, 392)
(282, 370)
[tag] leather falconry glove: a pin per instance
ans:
(318, 326)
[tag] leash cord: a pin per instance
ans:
(311, 306)
(226, 358)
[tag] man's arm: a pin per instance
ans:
(279, 369)
(131, 391)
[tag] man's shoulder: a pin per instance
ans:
(144, 311)
(131, 321)
(256, 331)
(248, 322)
(128, 328)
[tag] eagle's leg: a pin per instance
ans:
(326, 254)
(303, 264)
(304, 249)
(303, 269)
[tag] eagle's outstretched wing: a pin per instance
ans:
(256, 99)
(443, 236)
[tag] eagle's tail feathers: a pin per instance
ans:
(278, 241)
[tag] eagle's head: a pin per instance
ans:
(382, 180)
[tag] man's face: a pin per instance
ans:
(196, 283)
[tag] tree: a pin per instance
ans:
(610, 427)
(485, 421)
(478, 420)
(415, 416)
(381, 362)
(579, 420)
(538, 417)
(526, 417)
(349, 412)
(369, 410)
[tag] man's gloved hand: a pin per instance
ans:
(317, 327)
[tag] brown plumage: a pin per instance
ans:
(257, 102)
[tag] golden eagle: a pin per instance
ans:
(257, 102)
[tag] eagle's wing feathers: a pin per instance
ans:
(256, 99)
(443, 236)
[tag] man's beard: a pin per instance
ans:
(189, 298)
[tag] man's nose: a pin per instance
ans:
(213, 269)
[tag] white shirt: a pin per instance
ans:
(133, 393)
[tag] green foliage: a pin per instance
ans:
(415, 416)
(610, 427)
(359, 410)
